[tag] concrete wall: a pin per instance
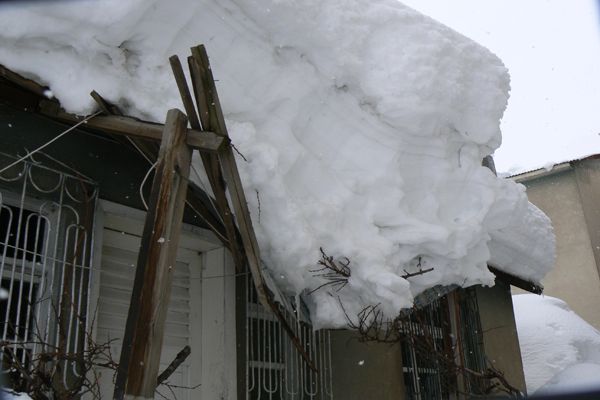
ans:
(365, 370)
(572, 201)
(500, 339)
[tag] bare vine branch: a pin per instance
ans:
(420, 270)
(335, 273)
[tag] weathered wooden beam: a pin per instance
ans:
(108, 108)
(184, 92)
(211, 112)
(23, 82)
(149, 150)
(142, 342)
(516, 281)
(210, 161)
(201, 204)
(205, 141)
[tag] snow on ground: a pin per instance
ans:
(363, 123)
(561, 352)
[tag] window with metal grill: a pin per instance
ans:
(441, 342)
(46, 224)
(274, 368)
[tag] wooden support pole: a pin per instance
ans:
(209, 161)
(142, 342)
(212, 118)
(211, 112)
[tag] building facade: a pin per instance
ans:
(569, 193)
(71, 223)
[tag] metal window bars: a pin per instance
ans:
(274, 369)
(46, 242)
(425, 335)
(430, 344)
(473, 355)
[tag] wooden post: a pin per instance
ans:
(142, 343)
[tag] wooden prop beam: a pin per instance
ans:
(142, 342)
(21, 81)
(204, 141)
(212, 118)
(210, 111)
(198, 201)
(209, 161)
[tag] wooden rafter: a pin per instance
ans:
(28, 84)
(204, 141)
(516, 281)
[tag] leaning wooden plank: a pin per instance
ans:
(240, 207)
(142, 342)
(119, 125)
(184, 92)
(213, 114)
(23, 82)
(213, 170)
(210, 110)
(108, 108)
(198, 82)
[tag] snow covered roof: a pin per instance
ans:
(550, 169)
(362, 123)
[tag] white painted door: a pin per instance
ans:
(196, 314)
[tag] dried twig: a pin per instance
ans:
(335, 273)
(420, 270)
(42, 375)
(179, 359)
(411, 274)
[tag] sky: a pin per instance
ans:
(552, 51)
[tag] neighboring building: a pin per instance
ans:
(71, 220)
(569, 193)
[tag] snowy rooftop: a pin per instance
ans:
(363, 124)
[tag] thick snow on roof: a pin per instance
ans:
(363, 124)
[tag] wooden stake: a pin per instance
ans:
(142, 343)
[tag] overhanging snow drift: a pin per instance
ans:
(362, 123)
